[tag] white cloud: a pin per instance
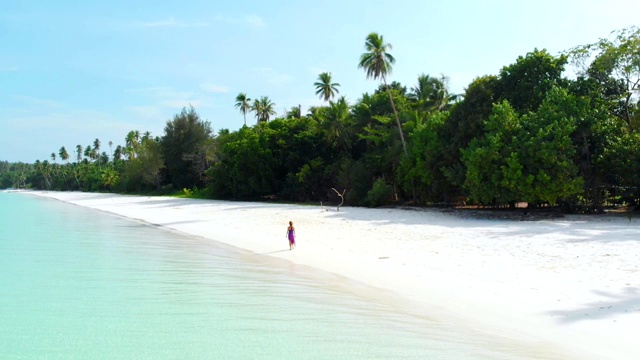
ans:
(213, 88)
(9, 69)
(170, 22)
(86, 121)
(148, 112)
(317, 70)
(158, 101)
(179, 104)
(225, 19)
(160, 93)
(32, 101)
(40, 134)
(169, 97)
(250, 20)
(254, 20)
(272, 77)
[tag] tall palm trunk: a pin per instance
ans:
(395, 112)
(75, 175)
(404, 146)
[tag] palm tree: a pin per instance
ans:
(96, 149)
(256, 107)
(64, 155)
(363, 116)
(109, 177)
(117, 154)
(414, 119)
(132, 143)
(263, 108)
(432, 93)
(333, 120)
(442, 98)
(90, 152)
(54, 167)
(325, 88)
(243, 104)
(45, 170)
(313, 110)
(294, 113)
(146, 136)
(377, 63)
(78, 153)
(268, 108)
(20, 180)
(424, 89)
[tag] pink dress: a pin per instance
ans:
(292, 236)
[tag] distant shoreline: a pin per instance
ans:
(520, 213)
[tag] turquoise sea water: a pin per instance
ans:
(81, 284)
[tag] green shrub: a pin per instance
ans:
(380, 194)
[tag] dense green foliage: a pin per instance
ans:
(528, 134)
(187, 147)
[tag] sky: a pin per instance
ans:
(73, 71)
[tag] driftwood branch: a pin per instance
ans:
(341, 197)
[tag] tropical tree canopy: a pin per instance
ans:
(376, 62)
(325, 88)
(183, 144)
(263, 108)
(64, 155)
(433, 93)
(527, 134)
(243, 104)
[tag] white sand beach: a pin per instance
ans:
(569, 286)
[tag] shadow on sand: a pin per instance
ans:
(626, 302)
(274, 252)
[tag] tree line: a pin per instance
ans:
(527, 134)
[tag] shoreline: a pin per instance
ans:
(569, 285)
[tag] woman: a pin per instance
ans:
(291, 234)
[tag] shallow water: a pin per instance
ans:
(77, 283)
